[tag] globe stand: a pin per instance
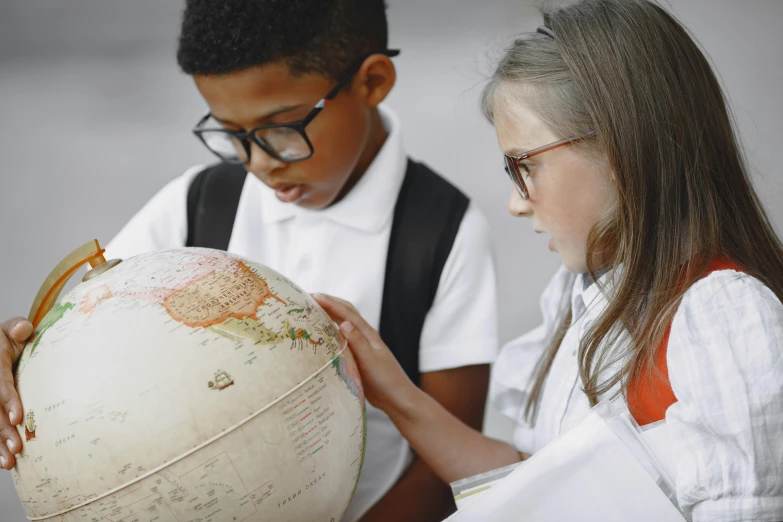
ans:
(91, 253)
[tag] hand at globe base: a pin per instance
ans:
(13, 337)
(452, 449)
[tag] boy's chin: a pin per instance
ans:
(313, 202)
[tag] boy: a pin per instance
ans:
(322, 206)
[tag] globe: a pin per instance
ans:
(188, 385)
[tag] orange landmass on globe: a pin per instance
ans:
(93, 298)
(187, 273)
(218, 296)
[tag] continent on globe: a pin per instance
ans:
(50, 320)
(218, 296)
(94, 298)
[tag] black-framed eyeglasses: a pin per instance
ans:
(286, 142)
(512, 162)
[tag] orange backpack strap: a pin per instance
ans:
(651, 395)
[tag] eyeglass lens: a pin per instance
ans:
(512, 169)
(284, 142)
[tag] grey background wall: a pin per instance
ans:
(95, 117)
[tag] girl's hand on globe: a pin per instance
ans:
(385, 382)
(458, 450)
(13, 336)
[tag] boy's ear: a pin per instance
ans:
(375, 79)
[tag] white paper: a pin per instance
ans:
(658, 438)
(587, 474)
(465, 490)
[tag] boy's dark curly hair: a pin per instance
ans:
(311, 36)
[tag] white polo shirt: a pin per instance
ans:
(342, 251)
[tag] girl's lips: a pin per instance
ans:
(289, 193)
(551, 244)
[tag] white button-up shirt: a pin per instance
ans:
(725, 361)
(342, 251)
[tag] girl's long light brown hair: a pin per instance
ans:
(630, 70)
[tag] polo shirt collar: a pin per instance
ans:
(369, 205)
(589, 295)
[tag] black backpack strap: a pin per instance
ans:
(427, 217)
(213, 199)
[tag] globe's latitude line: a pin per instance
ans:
(201, 445)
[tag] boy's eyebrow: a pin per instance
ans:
(279, 110)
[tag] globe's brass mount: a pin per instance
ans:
(99, 268)
(91, 253)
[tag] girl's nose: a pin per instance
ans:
(517, 206)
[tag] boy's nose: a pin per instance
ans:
(261, 163)
(517, 206)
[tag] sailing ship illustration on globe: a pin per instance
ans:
(29, 426)
(222, 381)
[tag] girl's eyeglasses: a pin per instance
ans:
(512, 162)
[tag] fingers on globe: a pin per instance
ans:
(17, 330)
(356, 340)
(11, 444)
(20, 332)
(9, 438)
(13, 336)
(10, 405)
(338, 308)
(343, 311)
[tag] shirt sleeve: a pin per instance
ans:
(725, 361)
(461, 327)
(160, 224)
(513, 373)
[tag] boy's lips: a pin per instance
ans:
(288, 193)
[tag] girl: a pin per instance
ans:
(618, 141)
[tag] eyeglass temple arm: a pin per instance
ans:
(547, 148)
(203, 119)
(391, 53)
